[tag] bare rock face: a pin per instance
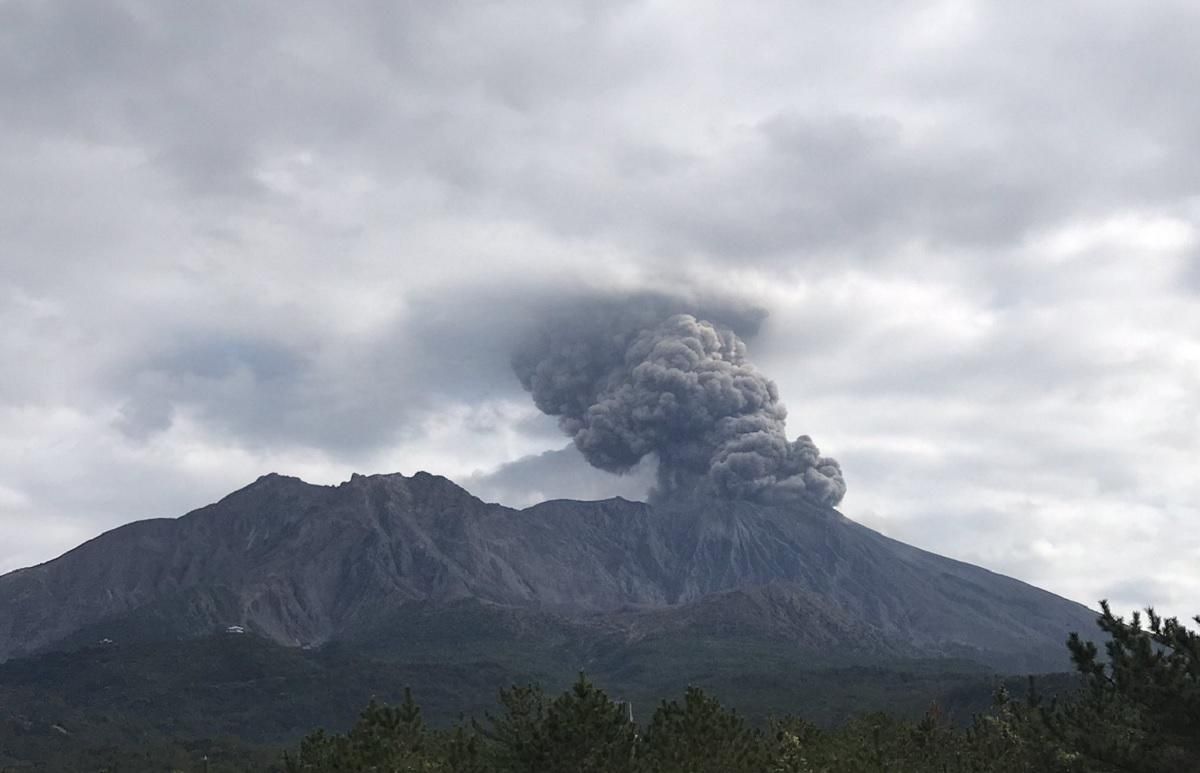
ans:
(305, 565)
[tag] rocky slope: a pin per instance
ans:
(304, 565)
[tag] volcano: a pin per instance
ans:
(384, 558)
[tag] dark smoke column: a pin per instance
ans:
(680, 389)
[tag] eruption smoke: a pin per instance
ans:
(625, 386)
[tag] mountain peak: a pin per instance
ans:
(275, 478)
(301, 564)
(422, 484)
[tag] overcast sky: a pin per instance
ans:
(247, 237)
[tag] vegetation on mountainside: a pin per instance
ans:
(1135, 708)
(1138, 710)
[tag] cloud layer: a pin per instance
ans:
(308, 237)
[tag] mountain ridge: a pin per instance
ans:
(304, 565)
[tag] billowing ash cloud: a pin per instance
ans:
(626, 385)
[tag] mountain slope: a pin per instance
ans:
(304, 565)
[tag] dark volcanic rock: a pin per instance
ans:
(304, 564)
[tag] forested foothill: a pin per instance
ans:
(1133, 706)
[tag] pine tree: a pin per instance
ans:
(389, 738)
(586, 732)
(1139, 710)
(385, 738)
(700, 736)
(516, 736)
(462, 752)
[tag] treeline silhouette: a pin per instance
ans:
(1137, 709)
(1133, 706)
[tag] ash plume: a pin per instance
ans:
(627, 383)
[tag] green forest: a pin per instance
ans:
(1138, 709)
(1134, 706)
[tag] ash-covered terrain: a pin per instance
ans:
(306, 565)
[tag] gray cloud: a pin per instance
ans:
(373, 388)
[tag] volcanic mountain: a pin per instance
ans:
(392, 560)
